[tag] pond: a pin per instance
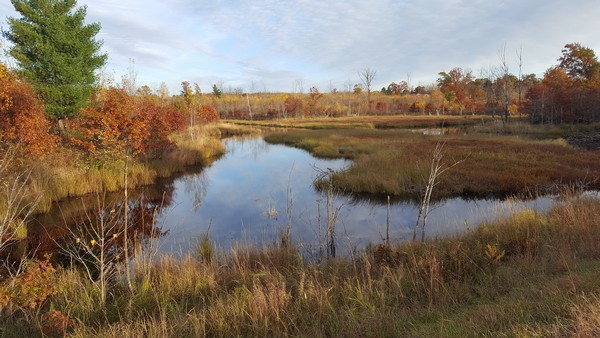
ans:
(247, 196)
(251, 194)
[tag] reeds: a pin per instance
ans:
(513, 276)
(393, 162)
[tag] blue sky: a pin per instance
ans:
(273, 45)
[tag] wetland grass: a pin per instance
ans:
(370, 122)
(529, 274)
(395, 162)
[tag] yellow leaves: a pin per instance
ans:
(93, 242)
(493, 252)
(513, 109)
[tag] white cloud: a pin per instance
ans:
(276, 42)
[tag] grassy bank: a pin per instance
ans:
(378, 122)
(396, 162)
(68, 173)
(528, 275)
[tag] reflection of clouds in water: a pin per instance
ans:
(196, 185)
(237, 190)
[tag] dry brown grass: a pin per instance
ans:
(395, 162)
(370, 121)
(512, 277)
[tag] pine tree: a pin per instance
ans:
(56, 52)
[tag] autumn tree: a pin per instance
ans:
(570, 91)
(116, 125)
(190, 101)
(163, 93)
(455, 85)
(22, 120)
(313, 101)
(157, 123)
(56, 52)
(579, 62)
(292, 105)
(397, 88)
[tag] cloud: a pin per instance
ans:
(275, 42)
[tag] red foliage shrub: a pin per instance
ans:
(22, 119)
(116, 124)
(292, 105)
(208, 113)
(31, 288)
(159, 122)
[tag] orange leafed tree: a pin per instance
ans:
(22, 120)
(158, 123)
(106, 127)
(208, 113)
(117, 124)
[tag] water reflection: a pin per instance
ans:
(255, 191)
(245, 197)
(98, 219)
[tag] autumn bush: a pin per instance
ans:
(29, 289)
(208, 113)
(116, 125)
(22, 119)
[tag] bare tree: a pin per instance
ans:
(520, 80)
(129, 81)
(367, 76)
(333, 211)
(249, 106)
(437, 168)
(94, 244)
(163, 93)
(298, 86)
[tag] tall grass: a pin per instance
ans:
(395, 162)
(526, 275)
(369, 122)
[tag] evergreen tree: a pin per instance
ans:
(217, 91)
(56, 52)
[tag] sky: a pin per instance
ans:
(290, 46)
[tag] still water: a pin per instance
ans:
(248, 196)
(252, 193)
